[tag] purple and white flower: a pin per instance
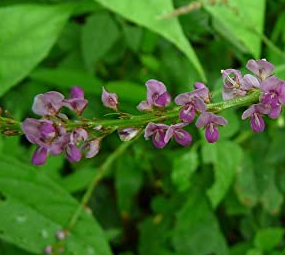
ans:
(76, 101)
(193, 101)
(48, 104)
(211, 122)
(157, 132)
(157, 96)
(180, 135)
(273, 96)
(109, 100)
(255, 112)
(260, 68)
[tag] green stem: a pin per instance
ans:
(12, 127)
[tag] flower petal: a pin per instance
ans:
(109, 100)
(212, 133)
(72, 153)
(40, 156)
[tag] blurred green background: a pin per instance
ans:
(224, 199)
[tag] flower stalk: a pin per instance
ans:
(12, 127)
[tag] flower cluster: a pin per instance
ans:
(192, 103)
(54, 133)
(50, 133)
(272, 91)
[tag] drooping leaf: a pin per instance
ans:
(185, 163)
(33, 209)
(146, 13)
(27, 33)
(226, 157)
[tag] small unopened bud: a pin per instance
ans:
(48, 249)
(199, 85)
(109, 100)
(127, 134)
(91, 148)
(61, 235)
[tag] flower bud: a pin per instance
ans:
(109, 100)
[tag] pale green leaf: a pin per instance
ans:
(241, 22)
(27, 33)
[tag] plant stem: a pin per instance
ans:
(13, 127)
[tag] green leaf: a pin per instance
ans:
(185, 163)
(33, 209)
(241, 22)
(99, 33)
(128, 180)
(226, 157)
(246, 185)
(268, 238)
(66, 78)
(196, 223)
(25, 40)
(146, 13)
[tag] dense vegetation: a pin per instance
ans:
(223, 198)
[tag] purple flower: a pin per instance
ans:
(235, 85)
(91, 148)
(78, 135)
(255, 111)
(48, 104)
(210, 121)
(193, 102)
(72, 153)
(273, 96)
(181, 136)
(157, 131)
(38, 131)
(127, 134)
(109, 100)
(40, 156)
(157, 96)
(48, 249)
(261, 68)
(76, 101)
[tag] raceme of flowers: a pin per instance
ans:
(53, 135)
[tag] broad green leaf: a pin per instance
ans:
(226, 157)
(185, 163)
(34, 208)
(268, 238)
(146, 13)
(197, 230)
(241, 22)
(27, 33)
(99, 33)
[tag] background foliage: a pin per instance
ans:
(224, 199)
